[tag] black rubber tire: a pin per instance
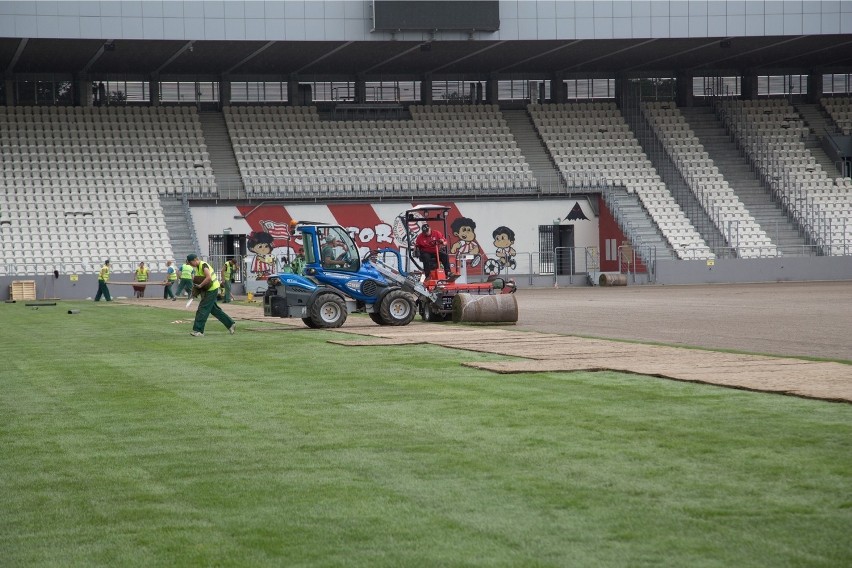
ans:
(327, 311)
(377, 318)
(397, 308)
(429, 314)
(309, 322)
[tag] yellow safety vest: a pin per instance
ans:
(227, 271)
(104, 274)
(186, 272)
(172, 276)
(141, 274)
(214, 280)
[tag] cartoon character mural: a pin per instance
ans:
(263, 263)
(504, 238)
(464, 228)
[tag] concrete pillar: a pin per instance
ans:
(815, 86)
(82, 90)
(749, 85)
(360, 89)
(622, 91)
(154, 90)
(293, 90)
(557, 88)
(685, 96)
(479, 99)
(492, 87)
(224, 91)
(426, 89)
(9, 84)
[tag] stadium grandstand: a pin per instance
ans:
(675, 142)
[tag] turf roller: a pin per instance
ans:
(497, 308)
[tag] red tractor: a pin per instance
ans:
(478, 299)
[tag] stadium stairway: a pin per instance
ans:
(543, 168)
(222, 158)
(677, 186)
(819, 125)
(746, 185)
(636, 225)
(180, 227)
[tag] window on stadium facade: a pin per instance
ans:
(774, 85)
(258, 91)
(837, 83)
(716, 86)
(579, 89)
(121, 91)
(328, 91)
(44, 90)
(457, 91)
(191, 92)
(392, 91)
(654, 88)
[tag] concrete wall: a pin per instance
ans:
(351, 20)
(671, 272)
(788, 269)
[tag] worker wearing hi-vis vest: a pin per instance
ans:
(185, 280)
(228, 270)
(141, 276)
(103, 278)
(206, 286)
(171, 278)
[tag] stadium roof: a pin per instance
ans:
(341, 59)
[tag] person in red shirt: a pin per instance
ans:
(427, 242)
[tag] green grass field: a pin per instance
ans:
(126, 442)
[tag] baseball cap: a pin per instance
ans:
(191, 257)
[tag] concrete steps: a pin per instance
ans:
(180, 227)
(222, 158)
(533, 149)
(782, 231)
(637, 226)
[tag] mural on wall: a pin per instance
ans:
(272, 246)
(466, 247)
(576, 213)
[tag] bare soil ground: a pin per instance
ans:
(574, 328)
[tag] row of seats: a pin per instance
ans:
(839, 109)
(565, 132)
(706, 182)
(86, 181)
(301, 152)
(783, 161)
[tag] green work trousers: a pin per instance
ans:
(227, 286)
(207, 305)
(167, 290)
(102, 291)
(185, 284)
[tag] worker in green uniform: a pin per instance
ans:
(171, 278)
(206, 287)
(141, 276)
(185, 280)
(103, 278)
(228, 270)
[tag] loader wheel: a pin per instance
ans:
(377, 318)
(310, 323)
(397, 308)
(430, 313)
(328, 310)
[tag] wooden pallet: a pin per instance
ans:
(22, 290)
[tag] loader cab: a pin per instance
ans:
(413, 219)
(330, 247)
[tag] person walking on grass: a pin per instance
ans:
(103, 278)
(206, 287)
(185, 283)
(141, 276)
(228, 270)
(171, 277)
